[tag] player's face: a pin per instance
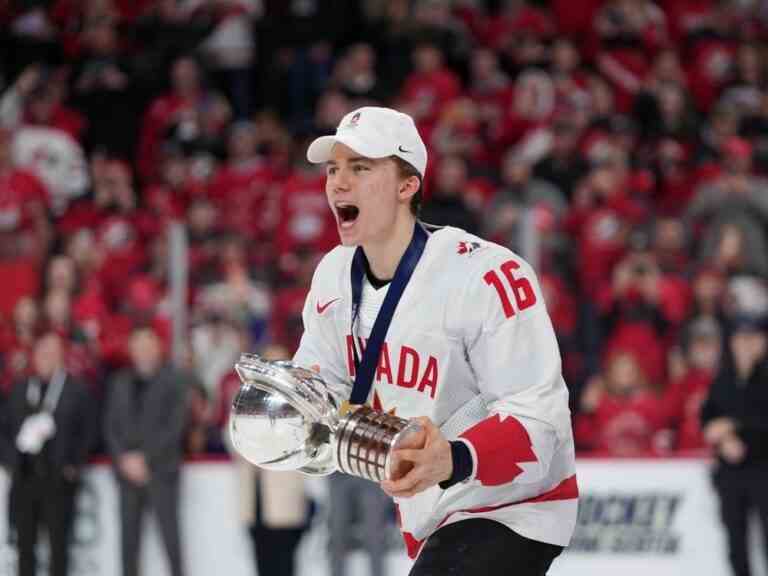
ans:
(362, 193)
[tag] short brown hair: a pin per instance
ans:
(406, 170)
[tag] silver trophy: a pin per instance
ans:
(285, 417)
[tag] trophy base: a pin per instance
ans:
(365, 440)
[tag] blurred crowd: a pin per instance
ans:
(628, 137)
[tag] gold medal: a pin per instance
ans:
(347, 407)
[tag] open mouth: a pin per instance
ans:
(348, 213)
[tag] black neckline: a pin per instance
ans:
(375, 282)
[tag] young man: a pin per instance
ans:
(444, 327)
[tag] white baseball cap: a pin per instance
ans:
(374, 132)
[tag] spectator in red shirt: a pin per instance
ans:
(710, 46)
(303, 218)
(89, 306)
(122, 229)
(46, 106)
(567, 73)
(702, 347)
(674, 177)
(602, 214)
(168, 198)
(187, 93)
(243, 189)
(620, 415)
(670, 244)
(489, 86)
(532, 107)
(519, 33)
(429, 88)
(24, 226)
(629, 31)
(641, 295)
(38, 99)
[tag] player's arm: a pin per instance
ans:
(513, 352)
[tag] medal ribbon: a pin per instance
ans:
(366, 367)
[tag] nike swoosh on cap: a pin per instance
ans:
(404, 151)
(324, 307)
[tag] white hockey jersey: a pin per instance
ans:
(471, 345)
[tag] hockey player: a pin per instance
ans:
(441, 326)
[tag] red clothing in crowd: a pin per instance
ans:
(305, 221)
(641, 340)
(674, 192)
(121, 237)
(710, 65)
(508, 25)
(621, 426)
(285, 323)
(158, 118)
(574, 19)
(22, 197)
(64, 119)
(124, 240)
(425, 96)
(686, 17)
(242, 195)
(600, 232)
(90, 310)
(683, 400)
(167, 204)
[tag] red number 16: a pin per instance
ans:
(521, 288)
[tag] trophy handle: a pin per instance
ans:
(365, 438)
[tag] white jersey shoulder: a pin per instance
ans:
(485, 283)
(328, 273)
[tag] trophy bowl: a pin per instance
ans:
(279, 417)
(285, 417)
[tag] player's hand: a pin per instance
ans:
(431, 464)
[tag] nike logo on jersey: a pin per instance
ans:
(322, 308)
